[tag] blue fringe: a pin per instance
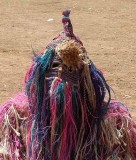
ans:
(42, 64)
(60, 99)
(101, 89)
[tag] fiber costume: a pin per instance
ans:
(66, 111)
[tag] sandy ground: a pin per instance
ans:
(106, 27)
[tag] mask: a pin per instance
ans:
(65, 92)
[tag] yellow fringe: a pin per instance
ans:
(117, 137)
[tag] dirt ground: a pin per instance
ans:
(106, 27)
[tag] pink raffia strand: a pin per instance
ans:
(14, 114)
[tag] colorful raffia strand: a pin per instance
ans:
(66, 112)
